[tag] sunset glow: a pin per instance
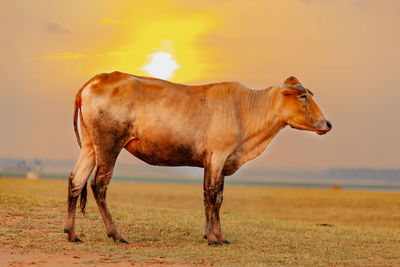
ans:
(351, 64)
(163, 45)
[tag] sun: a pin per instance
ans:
(162, 65)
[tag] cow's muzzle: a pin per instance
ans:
(323, 127)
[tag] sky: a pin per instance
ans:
(346, 52)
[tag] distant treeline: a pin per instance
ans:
(8, 165)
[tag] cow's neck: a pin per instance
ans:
(262, 122)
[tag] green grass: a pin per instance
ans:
(267, 226)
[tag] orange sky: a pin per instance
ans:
(347, 52)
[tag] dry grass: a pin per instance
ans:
(164, 223)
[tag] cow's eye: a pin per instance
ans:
(303, 96)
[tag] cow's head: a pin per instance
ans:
(299, 109)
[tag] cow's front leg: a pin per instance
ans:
(216, 208)
(213, 188)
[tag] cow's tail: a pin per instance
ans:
(77, 106)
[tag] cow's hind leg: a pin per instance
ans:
(105, 161)
(77, 182)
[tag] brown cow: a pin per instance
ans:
(218, 127)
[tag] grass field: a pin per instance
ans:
(165, 222)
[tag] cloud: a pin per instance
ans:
(63, 56)
(307, 2)
(359, 3)
(110, 21)
(110, 54)
(56, 28)
(73, 55)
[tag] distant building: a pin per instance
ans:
(32, 175)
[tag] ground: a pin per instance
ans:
(165, 222)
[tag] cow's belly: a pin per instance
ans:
(164, 154)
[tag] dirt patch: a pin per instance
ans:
(15, 257)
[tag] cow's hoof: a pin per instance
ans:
(122, 241)
(76, 240)
(226, 241)
(72, 237)
(214, 243)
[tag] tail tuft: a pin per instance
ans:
(83, 199)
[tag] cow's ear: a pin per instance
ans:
(290, 91)
(291, 81)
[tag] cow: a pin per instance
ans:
(217, 126)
